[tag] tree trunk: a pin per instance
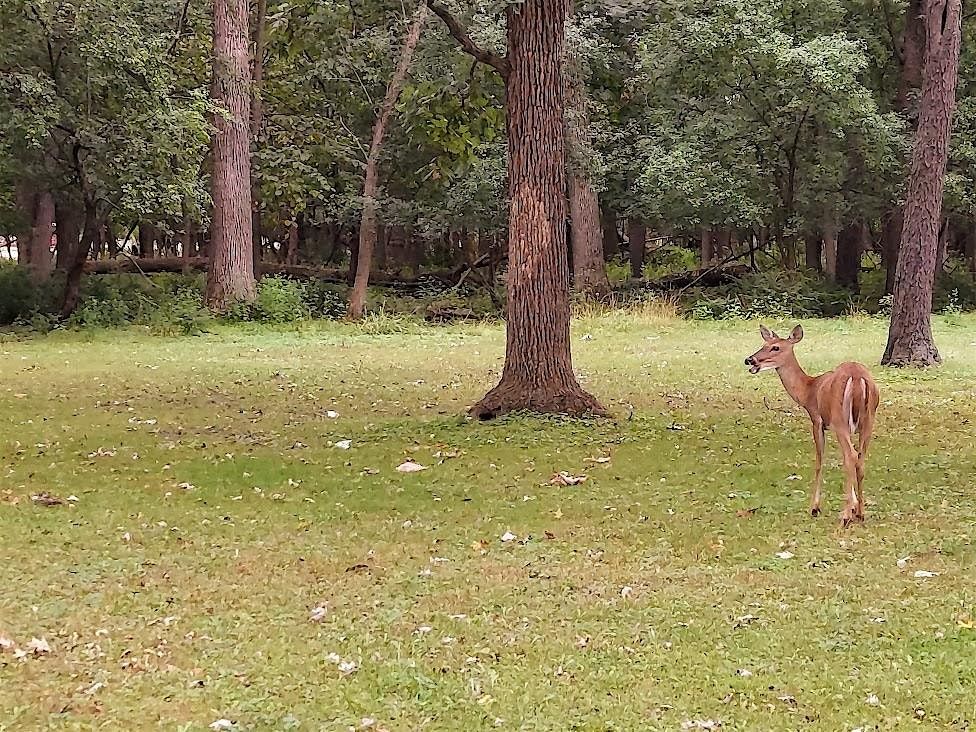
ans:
(538, 372)
(76, 268)
(147, 238)
(291, 255)
(910, 341)
(368, 225)
(813, 251)
(848, 262)
(942, 252)
(971, 248)
(636, 242)
(69, 224)
(39, 259)
(586, 237)
(830, 248)
(707, 246)
(231, 275)
(257, 119)
(611, 237)
(911, 59)
(188, 237)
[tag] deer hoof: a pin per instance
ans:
(815, 512)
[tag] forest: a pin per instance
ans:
(372, 365)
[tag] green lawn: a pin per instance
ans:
(214, 514)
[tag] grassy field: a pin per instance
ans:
(211, 513)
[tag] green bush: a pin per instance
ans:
(279, 300)
(324, 301)
(771, 294)
(21, 299)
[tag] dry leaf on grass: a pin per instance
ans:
(564, 478)
(47, 499)
(410, 467)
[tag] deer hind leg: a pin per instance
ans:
(818, 445)
(852, 503)
(864, 441)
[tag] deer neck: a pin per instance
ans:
(795, 380)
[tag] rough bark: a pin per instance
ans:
(291, 253)
(636, 243)
(76, 267)
(910, 341)
(187, 239)
(538, 371)
(257, 119)
(971, 248)
(231, 275)
(910, 57)
(368, 227)
(147, 239)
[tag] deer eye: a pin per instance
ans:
(774, 348)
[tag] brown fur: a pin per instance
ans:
(844, 401)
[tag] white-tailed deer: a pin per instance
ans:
(844, 400)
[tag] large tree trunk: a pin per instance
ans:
(636, 242)
(368, 228)
(971, 248)
(910, 58)
(231, 275)
(830, 247)
(257, 119)
(910, 341)
(538, 372)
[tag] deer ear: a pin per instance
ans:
(766, 333)
(797, 335)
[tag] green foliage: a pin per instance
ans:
(21, 299)
(769, 295)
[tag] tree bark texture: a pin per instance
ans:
(910, 341)
(257, 119)
(231, 275)
(813, 251)
(971, 248)
(39, 259)
(636, 243)
(707, 246)
(368, 228)
(586, 238)
(830, 248)
(538, 372)
(76, 267)
(69, 224)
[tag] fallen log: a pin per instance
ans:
(711, 277)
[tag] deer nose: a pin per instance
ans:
(750, 361)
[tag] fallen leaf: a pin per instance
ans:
(564, 478)
(38, 646)
(708, 724)
(746, 512)
(924, 574)
(744, 672)
(343, 444)
(872, 700)
(221, 724)
(47, 499)
(903, 562)
(331, 414)
(318, 614)
(626, 591)
(508, 536)
(785, 555)
(410, 467)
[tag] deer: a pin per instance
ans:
(844, 401)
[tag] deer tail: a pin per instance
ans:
(848, 404)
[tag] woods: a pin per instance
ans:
(821, 138)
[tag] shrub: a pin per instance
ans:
(771, 294)
(21, 299)
(324, 301)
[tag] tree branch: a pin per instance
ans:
(499, 63)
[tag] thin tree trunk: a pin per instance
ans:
(636, 243)
(830, 248)
(69, 224)
(188, 238)
(230, 278)
(707, 246)
(538, 373)
(848, 263)
(291, 256)
(257, 119)
(586, 241)
(611, 237)
(76, 269)
(368, 225)
(910, 341)
(813, 251)
(40, 262)
(971, 248)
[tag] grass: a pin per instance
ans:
(214, 513)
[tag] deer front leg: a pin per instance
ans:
(818, 445)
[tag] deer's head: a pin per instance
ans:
(776, 352)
